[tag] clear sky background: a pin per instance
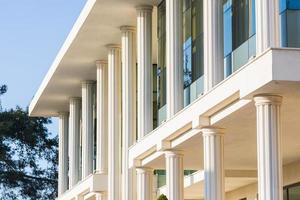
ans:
(31, 34)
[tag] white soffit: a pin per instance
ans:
(98, 25)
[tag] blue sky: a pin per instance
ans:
(31, 34)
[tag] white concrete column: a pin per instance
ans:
(213, 43)
(63, 153)
(213, 142)
(144, 60)
(174, 56)
(101, 196)
(174, 175)
(114, 122)
(102, 101)
(269, 163)
(128, 108)
(144, 183)
(74, 140)
(87, 128)
(267, 25)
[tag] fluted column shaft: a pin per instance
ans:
(87, 128)
(267, 25)
(144, 184)
(102, 100)
(144, 59)
(101, 196)
(114, 122)
(269, 159)
(174, 175)
(213, 141)
(63, 153)
(128, 108)
(174, 54)
(74, 140)
(213, 43)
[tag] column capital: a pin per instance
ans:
(144, 8)
(264, 99)
(173, 153)
(99, 63)
(210, 131)
(127, 28)
(113, 46)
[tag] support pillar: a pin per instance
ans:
(114, 122)
(101, 196)
(144, 183)
(267, 25)
(87, 128)
(102, 101)
(128, 108)
(213, 142)
(174, 57)
(74, 138)
(145, 70)
(63, 153)
(174, 175)
(269, 159)
(213, 43)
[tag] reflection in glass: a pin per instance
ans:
(239, 33)
(289, 11)
(192, 49)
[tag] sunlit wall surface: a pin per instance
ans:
(239, 33)
(289, 11)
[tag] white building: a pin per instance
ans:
(196, 99)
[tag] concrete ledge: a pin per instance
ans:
(94, 183)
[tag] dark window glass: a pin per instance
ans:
(282, 6)
(290, 22)
(192, 41)
(240, 22)
(227, 29)
(239, 33)
(294, 193)
(293, 4)
(187, 43)
(161, 67)
(285, 194)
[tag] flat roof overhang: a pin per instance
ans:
(98, 25)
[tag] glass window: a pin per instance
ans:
(240, 22)
(192, 47)
(294, 193)
(291, 192)
(227, 29)
(159, 78)
(239, 33)
(193, 52)
(290, 22)
(285, 194)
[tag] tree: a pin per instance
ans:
(28, 156)
(162, 197)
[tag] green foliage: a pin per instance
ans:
(162, 197)
(3, 89)
(28, 157)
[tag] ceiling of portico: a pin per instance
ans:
(98, 25)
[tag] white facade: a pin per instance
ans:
(238, 138)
